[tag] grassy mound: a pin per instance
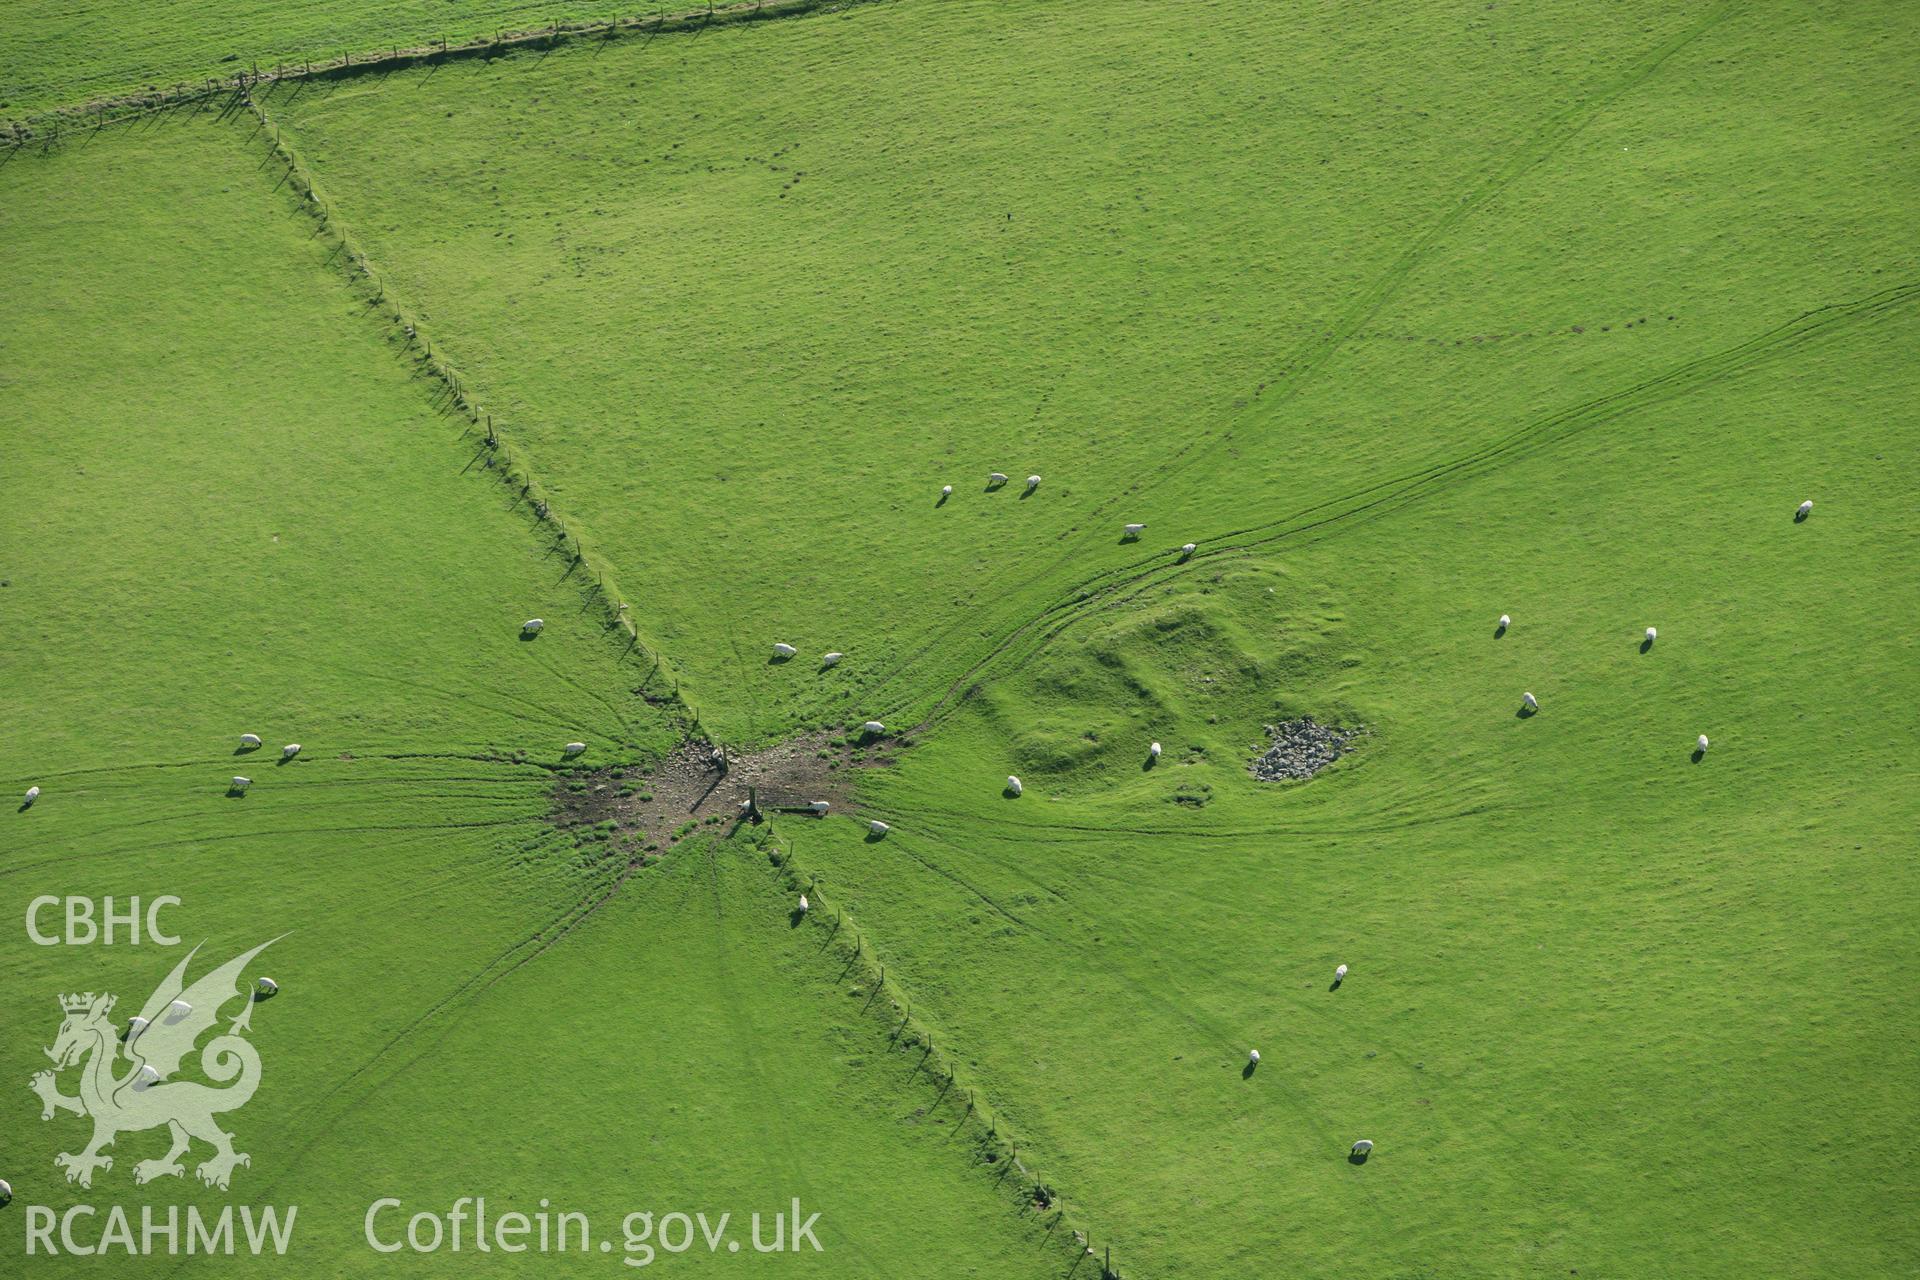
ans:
(1504, 311)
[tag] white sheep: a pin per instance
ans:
(1340, 974)
(1806, 509)
(878, 827)
(266, 986)
(997, 478)
(873, 726)
(1133, 530)
(147, 1075)
(831, 659)
(6, 1193)
(946, 491)
(178, 1010)
(1653, 633)
(1033, 482)
(1505, 622)
(819, 806)
(532, 625)
(1187, 549)
(1361, 1147)
(33, 793)
(249, 740)
(135, 1027)
(784, 651)
(1153, 751)
(804, 908)
(289, 751)
(240, 783)
(1530, 702)
(1253, 1057)
(574, 748)
(1700, 743)
(1013, 785)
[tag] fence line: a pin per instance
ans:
(1003, 1143)
(117, 109)
(503, 458)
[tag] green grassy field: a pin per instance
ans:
(1408, 317)
(241, 512)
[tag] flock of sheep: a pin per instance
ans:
(873, 728)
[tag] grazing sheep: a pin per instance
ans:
(178, 1010)
(135, 1027)
(1033, 482)
(1340, 974)
(249, 740)
(289, 751)
(832, 659)
(878, 827)
(804, 908)
(1153, 751)
(266, 986)
(532, 625)
(1505, 622)
(1133, 530)
(818, 806)
(997, 478)
(240, 783)
(784, 651)
(873, 726)
(1253, 1057)
(1361, 1147)
(1806, 509)
(1013, 785)
(1653, 633)
(147, 1075)
(6, 1193)
(1187, 550)
(574, 748)
(1530, 702)
(1700, 743)
(946, 491)
(33, 793)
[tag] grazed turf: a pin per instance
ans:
(1601, 995)
(752, 299)
(1489, 311)
(229, 507)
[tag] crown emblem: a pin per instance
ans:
(80, 1003)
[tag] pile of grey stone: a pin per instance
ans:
(1301, 748)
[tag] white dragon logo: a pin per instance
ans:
(167, 1029)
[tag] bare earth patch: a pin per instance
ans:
(655, 807)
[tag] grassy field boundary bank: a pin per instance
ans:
(99, 112)
(120, 108)
(497, 451)
(993, 1142)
